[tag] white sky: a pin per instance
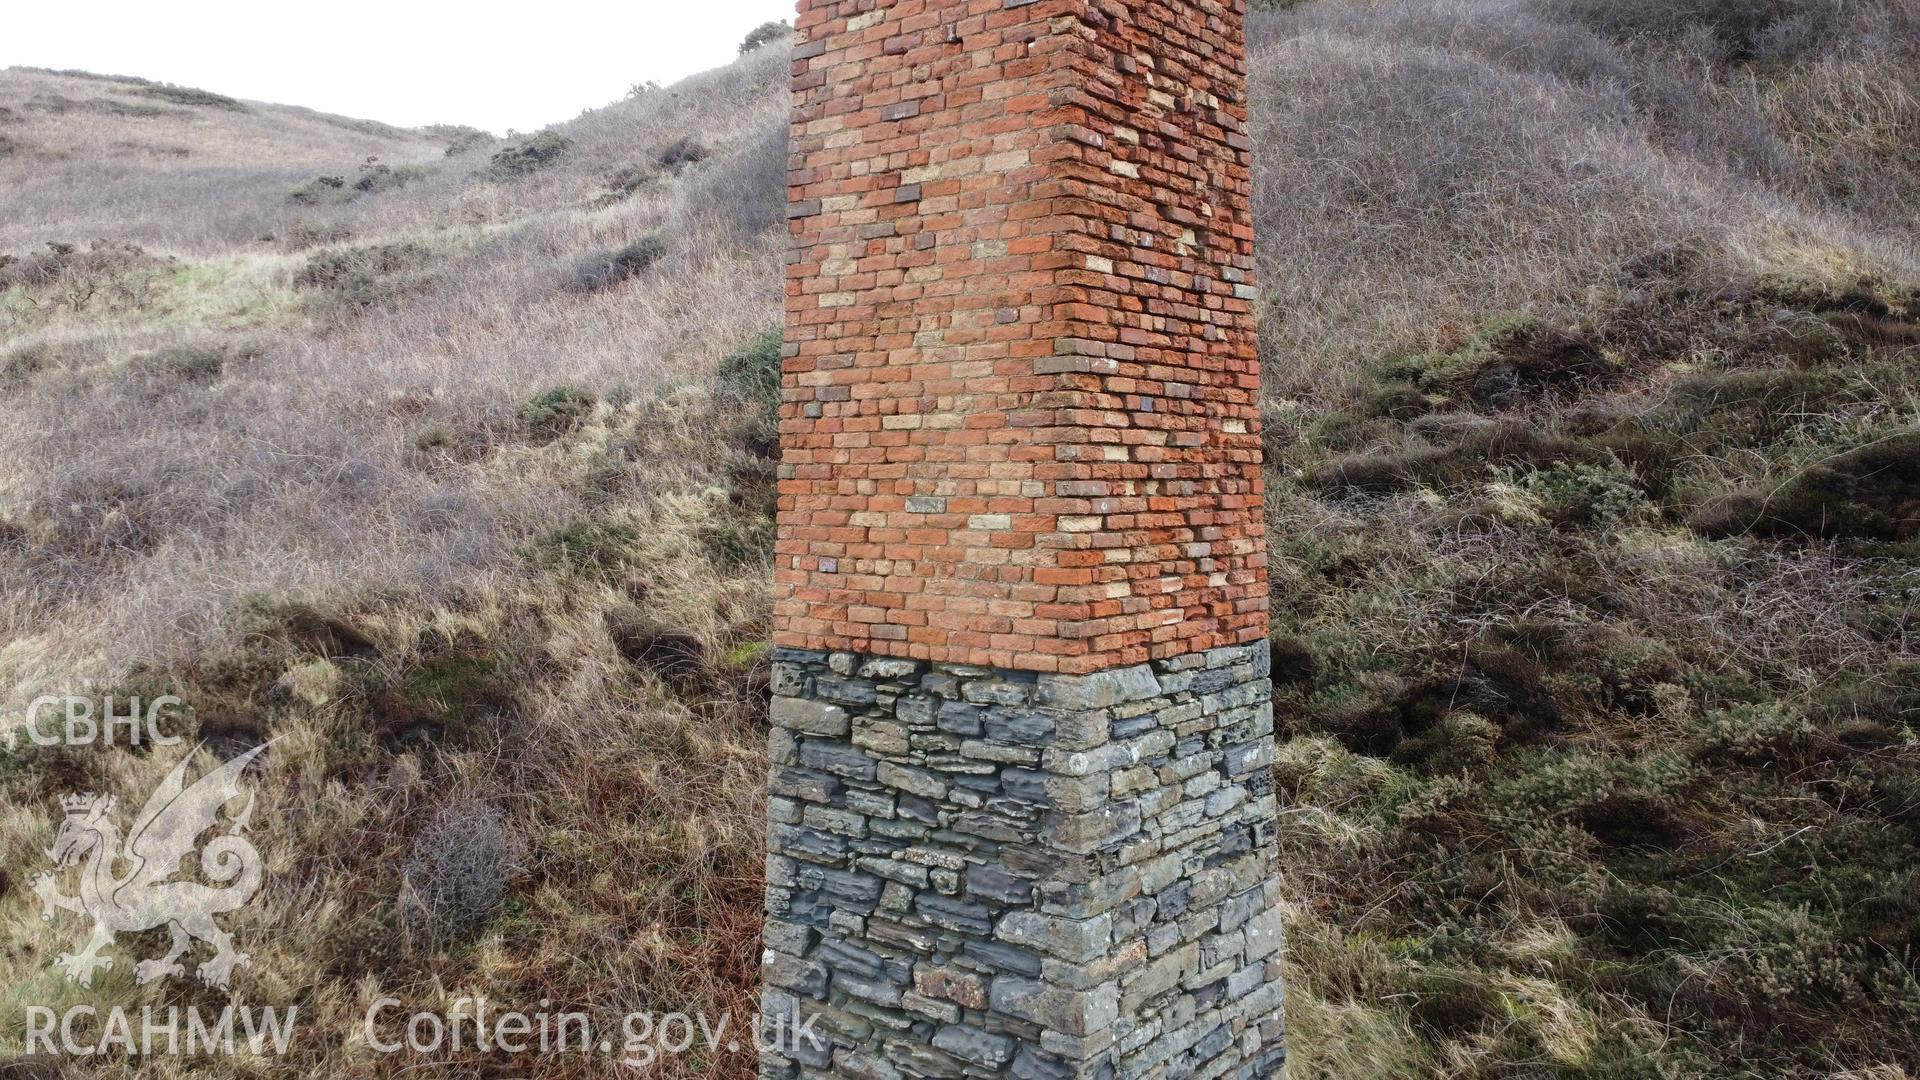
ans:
(493, 65)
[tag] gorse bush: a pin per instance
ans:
(459, 138)
(366, 276)
(186, 95)
(765, 34)
(609, 268)
(321, 189)
(534, 154)
(680, 153)
(104, 276)
(377, 176)
(556, 411)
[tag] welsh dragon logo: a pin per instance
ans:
(147, 895)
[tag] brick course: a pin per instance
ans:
(1021, 423)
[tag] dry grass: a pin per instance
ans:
(369, 473)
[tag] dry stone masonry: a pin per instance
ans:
(1022, 809)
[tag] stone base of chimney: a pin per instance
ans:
(977, 872)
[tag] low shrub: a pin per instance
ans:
(377, 176)
(746, 192)
(187, 95)
(1474, 456)
(363, 277)
(1507, 362)
(190, 363)
(677, 657)
(459, 138)
(19, 366)
(530, 156)
(753, 372)
(587, 548)
(765, 34)
(459, 872)
(1871, 492)
(321, 189)
(106, 275)
(555, 412)
(627, 180)
(680, 153)
(738, 539)
(609, 268)
(303, 235)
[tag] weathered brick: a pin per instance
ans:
(988, 430)
(1022, 819)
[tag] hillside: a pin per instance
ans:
(1594, 485)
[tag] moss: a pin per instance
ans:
(747, 654)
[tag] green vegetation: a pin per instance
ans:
(366, 276)
(680, 153)
(765, 34)
(187, 95)
(555, 412)
(1590, 413)
(1574, 734)
(609, 268)
(531, 156)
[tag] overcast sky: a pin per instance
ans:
(496, 66)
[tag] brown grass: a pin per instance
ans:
(214, 480)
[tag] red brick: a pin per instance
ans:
(1058, 310)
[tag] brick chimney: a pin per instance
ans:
(1022, 814)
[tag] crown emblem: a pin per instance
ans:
(79, 804)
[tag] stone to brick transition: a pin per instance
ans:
(1022, 815)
